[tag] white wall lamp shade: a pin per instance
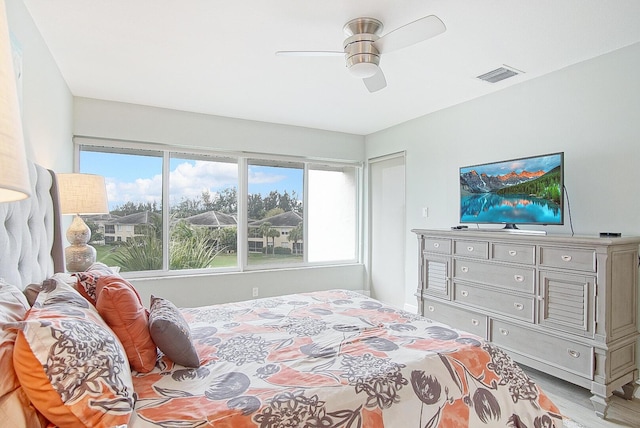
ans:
(81, 194)
(14, 175)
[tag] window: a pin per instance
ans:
(177, 210)
(134, 192)
(274, 208)
(332, 212)
(203, 208)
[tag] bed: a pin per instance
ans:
(88, 352)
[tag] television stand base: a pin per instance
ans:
(513, 231)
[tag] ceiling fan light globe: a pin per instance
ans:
(362, 70)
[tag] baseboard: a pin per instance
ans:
(411, 308)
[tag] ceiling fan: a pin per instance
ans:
(363, 45)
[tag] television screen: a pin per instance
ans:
(518, 191)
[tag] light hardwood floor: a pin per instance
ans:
(574, 403)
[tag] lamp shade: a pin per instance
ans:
(82, 194)
(14, 176)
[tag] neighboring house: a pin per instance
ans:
(127, 227)
(100, 220)
(212, 220)
(282, 223)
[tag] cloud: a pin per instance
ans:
(260, 177)
(188, 180)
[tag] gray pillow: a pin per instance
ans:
(170, 332)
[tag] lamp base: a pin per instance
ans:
(79, 257)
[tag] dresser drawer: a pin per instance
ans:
(517, 278)
(479, 249)
(571, 356)
(521, 307)
(457, 318)
(568, 258)
(514, 253)
(437, 245)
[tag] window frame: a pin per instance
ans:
(243, 160)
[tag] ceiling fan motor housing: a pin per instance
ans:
(362, 56)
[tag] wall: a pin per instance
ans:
(589, 111)
(47, 104)
(105, 119)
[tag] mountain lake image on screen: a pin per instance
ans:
(518, 191)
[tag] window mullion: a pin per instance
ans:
(166, 218)
(305, 215)
(242, 228)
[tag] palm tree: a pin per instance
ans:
(264, 231)
(273, 234)
(189, 248)
(296, 234)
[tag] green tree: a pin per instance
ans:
(273, 211)
(139, 254)
(189, 248)
(255, 207)
(226, 201)
(264, 229)
(296, 234)
(228, 238)
(273, 234)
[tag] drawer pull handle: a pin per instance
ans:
(574, 354)
(519, 306)
(436, 245)
(512, 252)
(464, 269)
(431, 308)
(566, 258)
(474, 322)
(518, 278)
(470, 248)
(465, 293)
(504, 332)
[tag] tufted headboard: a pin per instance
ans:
(31, 247)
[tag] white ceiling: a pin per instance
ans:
(217, 56)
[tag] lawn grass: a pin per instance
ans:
(105, 255)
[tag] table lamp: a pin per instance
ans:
(14, 175)
(81, 194)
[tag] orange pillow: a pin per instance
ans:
(70, 364)
(120, 306)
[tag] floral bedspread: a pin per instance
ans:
(336, 359)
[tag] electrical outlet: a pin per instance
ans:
(255, 291)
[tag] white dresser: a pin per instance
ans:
(563, 305)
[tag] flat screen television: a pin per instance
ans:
(527, 190)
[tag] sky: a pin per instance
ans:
(545, 163)
(138, 178)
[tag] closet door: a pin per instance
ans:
(387, 228)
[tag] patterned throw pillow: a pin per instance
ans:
(171, 333)
(70, 364)
(88, 280)
(16, 410)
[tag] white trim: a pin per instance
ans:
(411, 308)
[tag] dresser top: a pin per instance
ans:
(521, 235)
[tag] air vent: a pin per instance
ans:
(499, 74)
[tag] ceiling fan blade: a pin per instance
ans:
(375, 82)
(309, 53)
(411, 33)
